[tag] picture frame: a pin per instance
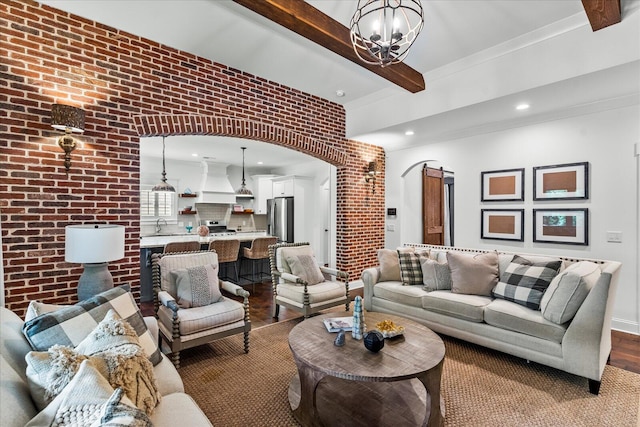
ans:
(502, 224)
(505, 185)
(567, 226)
(569, 181)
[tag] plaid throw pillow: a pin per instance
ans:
(526, 281)
(72, 324)
(410, 267)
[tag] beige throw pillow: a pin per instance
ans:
(389, 265)
(568, 290)
(473, 274)
(197, 286)
(306, 268)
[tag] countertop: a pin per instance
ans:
(155, 241)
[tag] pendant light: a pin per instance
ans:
(383, 31)
(243, 190)
(163, 186)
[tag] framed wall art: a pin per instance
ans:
(502, 185)
(502, 224)
(567, 182)
(568, 226)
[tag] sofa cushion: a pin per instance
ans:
(435, 275)
(199, 319)
(515, 317)
(322, 292)
(462, 306)
(410, 268)
(70, 325)
(525, 281)
(473, 274)
(305, 267)
(568, 290)
(197, 286)
(397, 292)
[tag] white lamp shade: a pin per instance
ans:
(93, 243)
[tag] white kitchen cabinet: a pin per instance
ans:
(284, 187)
(263, 191)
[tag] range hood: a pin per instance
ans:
(214, 185)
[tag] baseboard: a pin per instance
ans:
(625, 326)
(356, 284)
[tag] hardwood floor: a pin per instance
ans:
(625, 352)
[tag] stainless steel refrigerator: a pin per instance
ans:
(280, 218)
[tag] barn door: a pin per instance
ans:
(433, 206)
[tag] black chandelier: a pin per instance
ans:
(392, 27)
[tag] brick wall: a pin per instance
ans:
(125, 83)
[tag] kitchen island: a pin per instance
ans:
(154, 243)
(159, 240)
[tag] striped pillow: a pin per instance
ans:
(525, 281)
(72, 324)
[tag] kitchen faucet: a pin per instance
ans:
(158, 226)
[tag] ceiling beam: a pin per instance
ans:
(602, 13)
(310, 23)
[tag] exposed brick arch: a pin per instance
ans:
(183, 124)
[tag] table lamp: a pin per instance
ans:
(94, 245)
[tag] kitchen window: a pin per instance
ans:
(154, 206)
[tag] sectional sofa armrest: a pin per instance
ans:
(152, 325)
(369, 278)
(587, 343)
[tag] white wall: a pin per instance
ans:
(605, 139)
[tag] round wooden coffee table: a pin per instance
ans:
(349, 385)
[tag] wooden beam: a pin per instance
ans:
(602, 13)
(310, 23)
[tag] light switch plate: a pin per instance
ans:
(614, 236)
(391, 227)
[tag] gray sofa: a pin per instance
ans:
(580, 346)
(16, 404)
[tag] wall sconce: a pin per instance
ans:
(370, 176)
(70, 120)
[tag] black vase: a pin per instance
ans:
(373, 341)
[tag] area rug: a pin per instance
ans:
(480, 387)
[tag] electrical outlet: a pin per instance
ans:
(614, 236)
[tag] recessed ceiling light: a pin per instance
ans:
(340, 93)
(194, 154)
(260, 163)
(522, 107)
(409, 132)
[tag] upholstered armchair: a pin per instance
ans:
(190, 307)
(300, 284)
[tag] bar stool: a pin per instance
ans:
(173, 247)
(228, 252)
(258, 252)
